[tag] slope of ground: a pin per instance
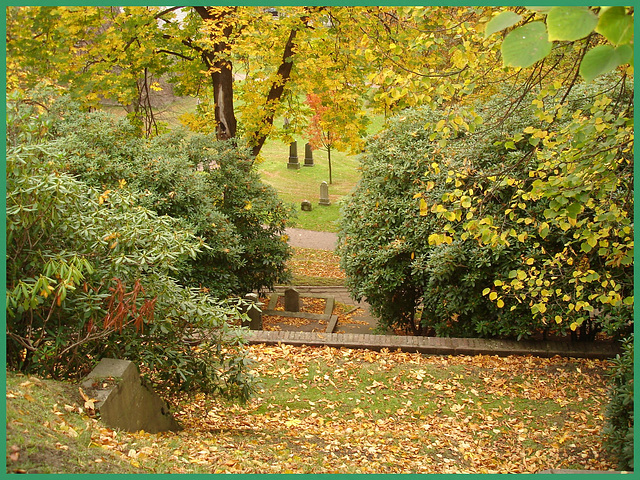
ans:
(324, 410)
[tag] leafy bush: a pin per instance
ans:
(211, 186)
(89, 274)
(385, 243)
(618, 431)
(452, 232)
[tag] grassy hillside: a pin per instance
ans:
(327, 410)
(293, 186)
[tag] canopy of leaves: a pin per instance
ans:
(404, 53)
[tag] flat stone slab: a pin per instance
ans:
(331, 326)
(125, 401)
(435, 345)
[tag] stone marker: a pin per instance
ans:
(125, 401)
(324, 194)
(253, 312)
(293, 156)
(305, 206)
(308, 155)
(291, 300)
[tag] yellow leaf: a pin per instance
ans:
(424, 208)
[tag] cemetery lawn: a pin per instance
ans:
(294, 186)
(326, 410)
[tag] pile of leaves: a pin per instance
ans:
(327, 410)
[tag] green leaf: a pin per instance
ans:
(574, 209)
(603, 59)
(616, 26)
(526, 45)
(570, 23)
(500, 22)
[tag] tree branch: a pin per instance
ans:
(177, 54)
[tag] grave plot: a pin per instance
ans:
(291, 311)
(311, 312)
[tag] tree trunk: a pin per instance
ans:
(222, 80)
(221, 72)
(277, 88)
(329, 157)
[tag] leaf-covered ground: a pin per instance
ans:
(326, 410)
(344, 312)
(348, 411)
(315, 267)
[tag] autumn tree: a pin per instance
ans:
(333, 125)
(553, 199)
(268, 62)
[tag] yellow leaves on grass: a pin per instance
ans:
(328, 410)
(395, 412)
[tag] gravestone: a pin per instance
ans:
(305, 206)
(125, 400)
(291, 300)
(324, 194)
(293, 156)
(308, 155)
(253, 312)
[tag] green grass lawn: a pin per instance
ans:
(327, 410)
(294, 186)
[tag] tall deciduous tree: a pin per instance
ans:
(268, 62)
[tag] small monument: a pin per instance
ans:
(324, 194)
(125, 401)
(305, 206)
(291, 300)
(308, 155)
(253, 312)
(293, 156)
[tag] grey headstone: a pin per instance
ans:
(125, 401)
(324, 194)
(305, 206)
(291, 300)
(293, 156)
(253, 312)
(308, 155)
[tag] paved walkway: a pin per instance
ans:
(310, 239)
